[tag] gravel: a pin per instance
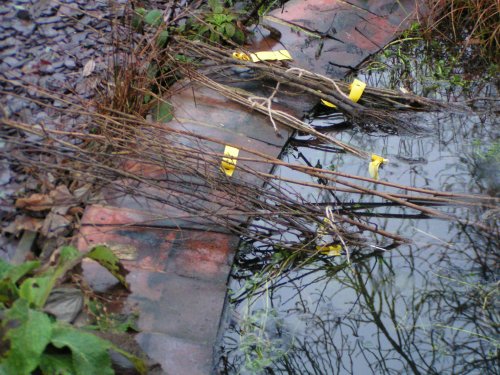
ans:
(43, 46)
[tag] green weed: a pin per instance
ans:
(32, 340)
(217, 25)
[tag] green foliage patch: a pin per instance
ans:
(218, 25)
(32, 339)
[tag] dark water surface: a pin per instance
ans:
(428, 307)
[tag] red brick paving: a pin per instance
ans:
(179, 262)
(348, 32)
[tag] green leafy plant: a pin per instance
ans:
(486, 152)
(31, 339)
(258, 343)
(219, 23)
(153, 19)
(106, 321)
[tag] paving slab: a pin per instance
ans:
(188, 253)
(177, 355)
(333, 37)
(197, 108)
(180, 204)
(177, 278)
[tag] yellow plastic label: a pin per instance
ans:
(330, 250)
(228, 164)
(374, 165)
(357, 88)
(328, 104)
(282, 54)
(241, 56)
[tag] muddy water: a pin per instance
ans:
(429, 307)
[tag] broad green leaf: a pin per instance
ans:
(218, 19)
(153, 18)
(14, 273)
(140, 11)
(68, 254)
(36, 290)
(163, 112)
(214, 37)
(181, 28)
(229, 30)
(69, 257)
(138, 18)
(239, 36)
(10, 275)
(4, 268)
(162, 38)
(89, 353)
(106, 258)
(8, 292)
(57, 364)
(30, 333)
(216, 6)
(203, 30)
(152, 70)
(137, 22)
(183, 58)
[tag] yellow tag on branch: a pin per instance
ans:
(228, 164)
(330, 250)
(282, 54)
(241, 56)
(375, 164)
(356, 88)
(328, 104)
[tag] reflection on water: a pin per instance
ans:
(429, 307)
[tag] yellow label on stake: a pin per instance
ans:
(357, 88)
(328, 104)
(282, 54)
(330, 250)
(241, 56)
(374, 165)
(228, 164)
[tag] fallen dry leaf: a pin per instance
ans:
(55, 225)
(76, 211)
(35, 202)
(63, 199)
(88, 68)
(32, 224)
(82, 192)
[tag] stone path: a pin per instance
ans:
(179, 269)
(179, 264)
